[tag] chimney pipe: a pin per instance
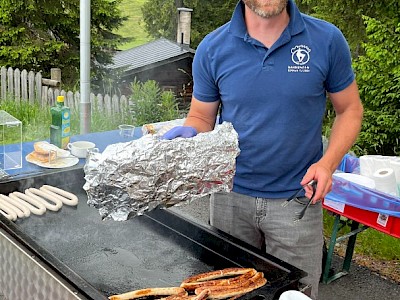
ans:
(184, 24)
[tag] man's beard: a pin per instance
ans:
(274, 8)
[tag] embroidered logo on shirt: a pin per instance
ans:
(300, 57)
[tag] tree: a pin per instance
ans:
(160, 17)
(40, 34)
(378, 77)
(373, 31)
(348, 16)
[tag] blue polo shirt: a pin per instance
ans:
(275, 98)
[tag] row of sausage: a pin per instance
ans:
(35, 201)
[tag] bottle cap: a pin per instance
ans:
(60, 98)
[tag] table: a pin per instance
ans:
(355, 228)
(101, 140)
(357, 220)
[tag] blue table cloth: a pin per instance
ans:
(100, 139)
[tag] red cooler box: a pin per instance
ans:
(352, 196)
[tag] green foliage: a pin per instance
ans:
(378, 76)
(348, 16)
(208, 15)
(149, 104)
(39, 35)
(169, 106)
(33, 118)
(102, 122)
(160, 17)
(373, 31)
(133, 27)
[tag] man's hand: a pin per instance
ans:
(323, 176)
(179, 131)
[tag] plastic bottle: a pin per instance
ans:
(60, 129)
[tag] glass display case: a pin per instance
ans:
(10, 142)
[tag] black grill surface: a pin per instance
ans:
(158, 249)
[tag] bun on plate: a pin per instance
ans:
(37, 156)
(44, 147)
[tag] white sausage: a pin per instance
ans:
(18, 203)
(20, 213)
(66, 197)
(49, 202)
(35, 206)
(8, 212)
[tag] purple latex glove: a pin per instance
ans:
(179, 131)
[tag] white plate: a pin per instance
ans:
(57, 164)
(293, 295)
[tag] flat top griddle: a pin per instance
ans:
(158, 249)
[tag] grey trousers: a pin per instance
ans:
(259, 221)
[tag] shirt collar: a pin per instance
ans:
(238, 27)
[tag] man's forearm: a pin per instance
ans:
(344, 132)
(201, 124)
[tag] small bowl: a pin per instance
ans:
(126, 130)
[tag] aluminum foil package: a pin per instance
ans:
(128, 179)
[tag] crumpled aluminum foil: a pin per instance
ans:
(128, 179)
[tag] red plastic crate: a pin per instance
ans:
(390, 226)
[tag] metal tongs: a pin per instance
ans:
(299, 215)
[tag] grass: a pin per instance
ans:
(133, 26)
(370, 242)
(36, 120)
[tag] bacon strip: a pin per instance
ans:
(227, 291)
(227, 281)
(217, 274)
(220, 284)
(201, 296)
(178, 291)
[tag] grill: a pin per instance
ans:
(99, 258)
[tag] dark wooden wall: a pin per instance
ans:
(174, 76)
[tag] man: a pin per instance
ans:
(268, 72)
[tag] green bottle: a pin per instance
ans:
(60, 129)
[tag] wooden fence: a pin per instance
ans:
(31, 87)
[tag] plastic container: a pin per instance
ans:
(126, 131)
(351, 197)
(10, 142)
(60, 129)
